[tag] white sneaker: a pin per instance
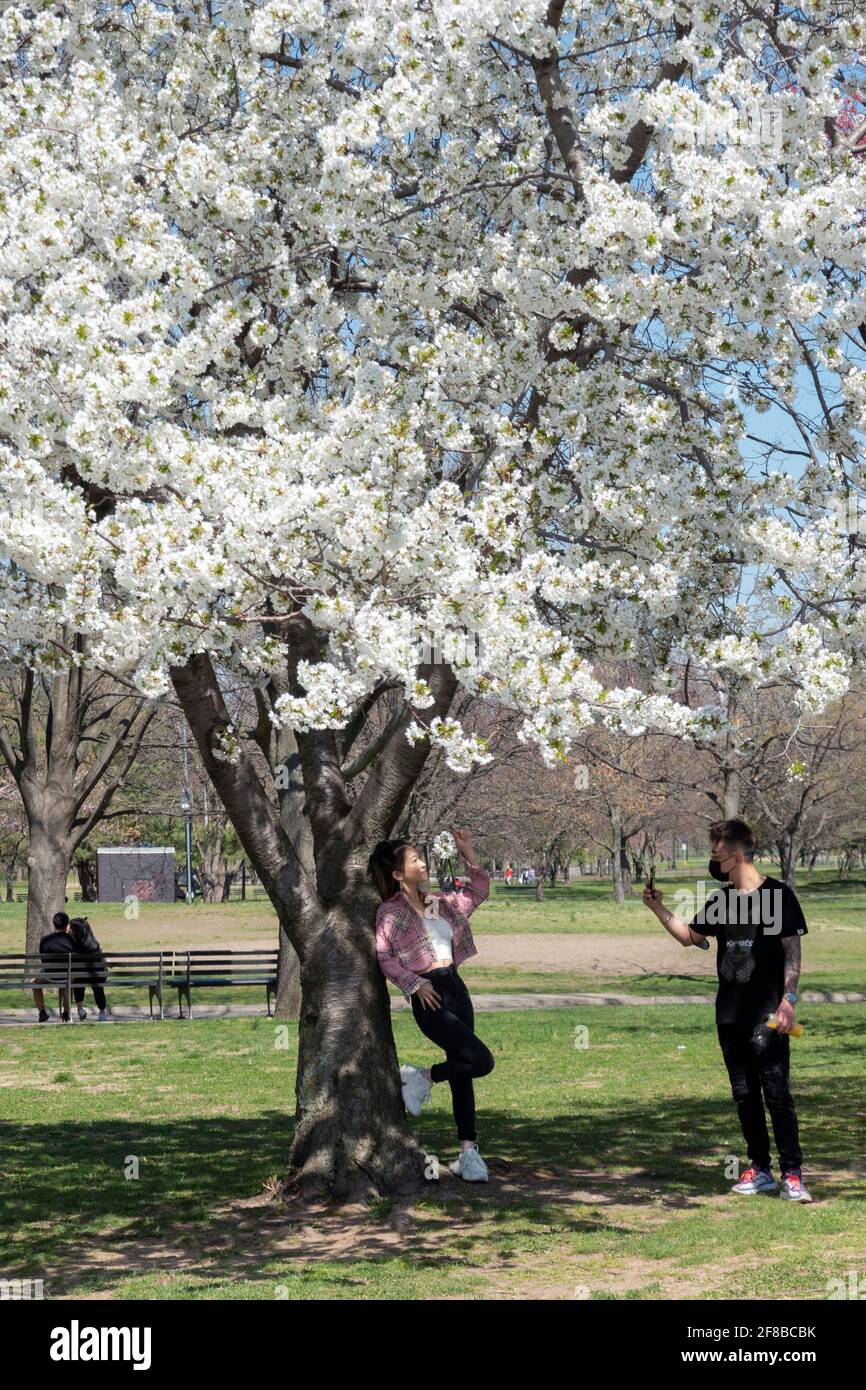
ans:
(792, 1188)
(756, 1180)
(82, 1012)
(416, 1088)
(103, 1015)
(470, 1165)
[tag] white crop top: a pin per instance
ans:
(441, 933)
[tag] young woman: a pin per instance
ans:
(421, 938)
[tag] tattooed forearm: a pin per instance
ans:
(791, 946)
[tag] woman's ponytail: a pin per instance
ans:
(386, 857)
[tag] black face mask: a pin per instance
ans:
(715, 870)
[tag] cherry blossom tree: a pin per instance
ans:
(379, 352)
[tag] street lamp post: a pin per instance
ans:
(186, 807)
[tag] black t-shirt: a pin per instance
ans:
(749, 929)
(56, 943)
(54, 948)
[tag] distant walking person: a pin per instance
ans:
(87, 945)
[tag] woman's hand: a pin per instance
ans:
(428, 996)
(464, 845)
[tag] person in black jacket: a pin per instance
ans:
(87, 945)
(54, 949)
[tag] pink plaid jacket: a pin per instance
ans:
(403, 945)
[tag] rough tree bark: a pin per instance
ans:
(621, 874)
(351, 1138)
(731, 792)
(786, 844)
(86, 870)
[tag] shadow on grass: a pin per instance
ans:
(831, 885)
(71, 1212)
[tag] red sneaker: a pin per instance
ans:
(793, 1189)
(756, 1180)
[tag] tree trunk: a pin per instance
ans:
(626, 873)
(619, 862)
(731, 797)
(287, 1003)
(787, 847)
(229, 877)
(351, 1140)
(87, 879)
(212, 863)
(618, 883)
(48, 866)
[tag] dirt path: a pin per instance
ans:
(594, 954)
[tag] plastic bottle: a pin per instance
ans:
(796, 1031)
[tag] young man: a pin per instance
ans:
(757, 922)
(54, 950)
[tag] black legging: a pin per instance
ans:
(451, 1027)
(98, 994)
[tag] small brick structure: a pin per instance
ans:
(145, 872)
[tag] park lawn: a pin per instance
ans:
(517, 980)
(588, 905)
(585, 905)
(834, 953)
(607, 1177)
(159, 926)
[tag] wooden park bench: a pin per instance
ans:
(154, 970)
(209, 969)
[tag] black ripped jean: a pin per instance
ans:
(752, 1069)
(451, 1027)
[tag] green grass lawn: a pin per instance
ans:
(606, 1165)
(834, 953)
(845, 975)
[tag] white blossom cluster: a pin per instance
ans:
(320, 309)
(443, 846)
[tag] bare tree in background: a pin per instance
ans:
(68, 741)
